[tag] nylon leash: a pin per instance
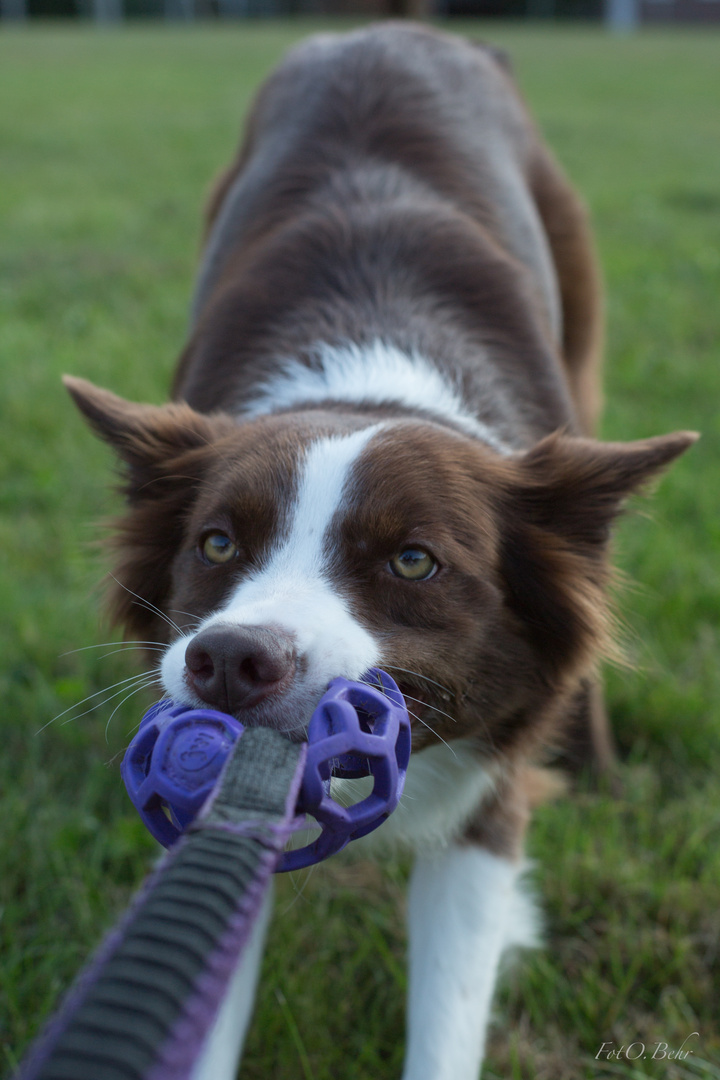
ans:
(225, 800)
(143, 1007)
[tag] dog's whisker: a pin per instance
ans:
(156, 611)
(143, 686)
(409, 697)
(140, 680)
(148, 605)
(300, 889)
(425, 678)
(190, 614)
(120, 644)
(111, 760)
(77, 704)
(136, 727)
(161, 614)
(144, 648)
(191, 628)
(433, 731)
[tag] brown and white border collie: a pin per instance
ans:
(380, 452)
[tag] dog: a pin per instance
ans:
(381, 452)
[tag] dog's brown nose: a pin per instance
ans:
(235, 667)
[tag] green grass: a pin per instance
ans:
(108, 142)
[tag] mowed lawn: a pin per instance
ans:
(108, 142)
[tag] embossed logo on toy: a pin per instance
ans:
(195, 750)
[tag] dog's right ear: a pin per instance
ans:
(165, 451)
(148, 439)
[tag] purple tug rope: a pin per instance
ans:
(143, 1007)
(358, 729)
(138, 1011)
(184, 1042)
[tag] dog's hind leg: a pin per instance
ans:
(588, 742)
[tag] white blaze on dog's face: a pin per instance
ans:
(286, 591)
(293, 548)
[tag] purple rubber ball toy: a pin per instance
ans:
(173, 763)
(358, 729)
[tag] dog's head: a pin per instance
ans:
(273, 555)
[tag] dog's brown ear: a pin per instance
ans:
(143, 433)
(147, 438)
(165, 453)
(561, 503)
(576, 487)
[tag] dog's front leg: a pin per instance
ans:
(219, 1056)
(462, 905)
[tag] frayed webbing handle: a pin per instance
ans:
(142, 1009)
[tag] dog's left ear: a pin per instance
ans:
(560, 502)
(576, 487)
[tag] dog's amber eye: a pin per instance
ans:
(218, 548)
(413, 564)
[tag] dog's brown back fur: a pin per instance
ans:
(392, 188)
(563, 216)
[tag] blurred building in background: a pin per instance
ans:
(619, 14)
(679, 11)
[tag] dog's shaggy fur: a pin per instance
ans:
(381, 452)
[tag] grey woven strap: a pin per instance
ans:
(142, 1009)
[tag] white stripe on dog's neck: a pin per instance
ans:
(378, 373)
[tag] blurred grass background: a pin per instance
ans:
(108, 142)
